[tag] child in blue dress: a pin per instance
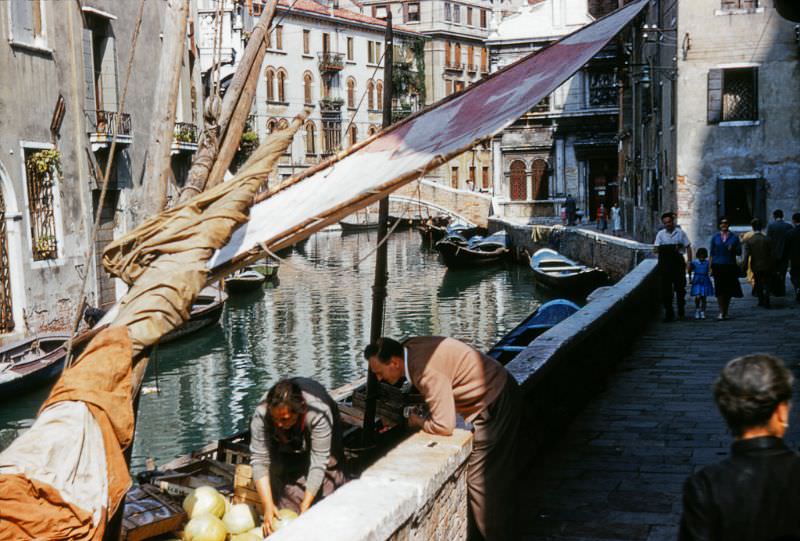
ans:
(701, 283)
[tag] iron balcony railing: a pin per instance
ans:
(112, 123)
(330, 61)
(185, 132)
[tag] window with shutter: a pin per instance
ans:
(306, 41)
(350, 48)
(454, 176)
(27, 22)
(412, 13)
(518, 181)
(714, 96)
(740, 94)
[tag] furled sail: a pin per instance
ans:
(402, 153)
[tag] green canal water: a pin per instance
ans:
(314, 323)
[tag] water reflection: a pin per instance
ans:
(314, 324)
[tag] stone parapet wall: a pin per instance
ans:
(474, 206)
(417, 492)
(568, 364)
(615, 255)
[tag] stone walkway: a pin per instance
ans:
(617, 472)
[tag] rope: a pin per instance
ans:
(101, 202)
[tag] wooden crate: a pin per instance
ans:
(149, 513)
(244, 491)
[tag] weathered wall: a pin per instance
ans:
(615, 255)
(565, 366)
(765, 148)
(472, 205)
(417, 492)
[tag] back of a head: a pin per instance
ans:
(755, 223)
(383, 348)
(796, 217)
(778, 214)
(749, 390)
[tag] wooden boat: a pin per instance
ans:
(540, 320)
(559, 272)
(206, 310)
(433, 230)
(475, 252)
(31, 363)
(245, 280)
(268, 268)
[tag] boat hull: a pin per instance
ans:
(456, 256)
(202, 316)
(560, 273)
(35, 373)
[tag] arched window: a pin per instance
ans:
(540, 180)
(272, 126)
(372, 130)
(379, 95)
(457, 62)
(447, 54)
(311, 138)
(308, 80)
(351, 93)
(281, 85)
(519, 188)
(470, 58)
(352, 135)
(370, 95)
(270, 84)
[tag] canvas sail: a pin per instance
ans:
(408, 149)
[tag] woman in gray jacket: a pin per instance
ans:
(296, 447)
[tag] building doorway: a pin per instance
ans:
(602, 176)
(106, 289)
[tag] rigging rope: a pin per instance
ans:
(90, 251)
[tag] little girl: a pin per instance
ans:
(701, 283)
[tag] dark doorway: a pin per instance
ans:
(602, 175)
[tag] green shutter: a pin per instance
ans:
(715, 96)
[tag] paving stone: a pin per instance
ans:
(618, 470)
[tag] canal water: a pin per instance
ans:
(314, 323)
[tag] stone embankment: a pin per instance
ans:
(474, 206)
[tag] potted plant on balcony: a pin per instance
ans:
(247, 144)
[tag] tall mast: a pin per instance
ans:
(381, 271)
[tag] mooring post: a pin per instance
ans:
(381, 271)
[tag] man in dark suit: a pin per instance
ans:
(793, 253)
(776, 232)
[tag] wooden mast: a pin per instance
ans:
(381, 271)
(157, 164)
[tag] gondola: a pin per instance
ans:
(433, 229)
(476, 251)
(542, 319)
(206, 310)
(561, 273)
(245, 280)
(31, 363)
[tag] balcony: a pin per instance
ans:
(454, 67)
(328, 106)
(330, 62)
(184, 138)
(472, 68)
(104, 125)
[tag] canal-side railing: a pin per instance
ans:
(410, 201)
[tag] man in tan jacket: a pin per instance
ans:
(758, 254)
(455, 378)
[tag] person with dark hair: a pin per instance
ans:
(296, 447)
(776, 232)
(724, 248)
(671, 243)
(571, 205)
(793, 254)
(455, 378)
(759, 254)
(755, 492)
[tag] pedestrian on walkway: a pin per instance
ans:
(754, 493)
(602, 220)
(455, 378)
(701, 283)
(616, 220)
(725, 246)
(759, 255)
(793, 254)
(570, 205)
(776, 232)
(670, 244)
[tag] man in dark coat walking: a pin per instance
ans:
(776, 232)
(759, 254)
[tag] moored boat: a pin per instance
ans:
(559, 272)
(476, 251)
(31, 363)
(245, 280)
(206, 310)
(538, 322)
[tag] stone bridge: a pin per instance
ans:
(434, 198)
